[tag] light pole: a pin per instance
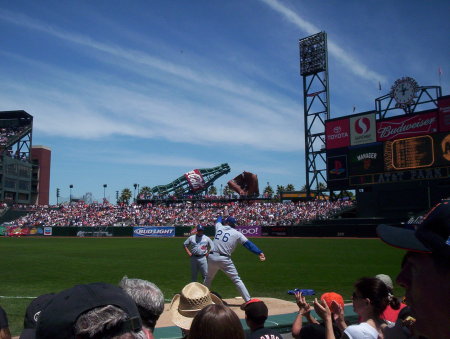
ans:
(104, 192)
(70, 199)
(134, 197)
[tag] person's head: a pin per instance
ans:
(256, 313)
(200, 229)
(394, 302)
(95, 310)
(32, 313)
(230, 221)
(425, 271)
(370, 297)
(105, 322)
(148, 298)
(216, 322)
(193, 298)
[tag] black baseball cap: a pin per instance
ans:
(432, 235)
(57, 320)
(32, 313)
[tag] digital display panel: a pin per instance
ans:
(366, 159)
(442, 149)
(408, 153)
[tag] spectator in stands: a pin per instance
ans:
(425, 272)
(370, 299)
(185, 306)
(4, 326)
(256, 314)
(95, 310)
(216, 322)
(403, 328)
(184, 213)
(32, 313)
(149, 300)
(391, 312)
(314, 329)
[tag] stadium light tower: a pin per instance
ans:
(104, 191)
(314, 70)
(135, 186)
(70, 186)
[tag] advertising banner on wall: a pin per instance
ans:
(363, 129)
(407, 126)
(337, 167)
(154, 231)
(444, 114)
(250, 231)
(337, 133)
(364, 159)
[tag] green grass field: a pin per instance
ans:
(33, 266)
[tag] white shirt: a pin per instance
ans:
(361, 331)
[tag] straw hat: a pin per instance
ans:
(193, 298)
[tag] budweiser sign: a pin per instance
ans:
(195, 180)
(407, 126)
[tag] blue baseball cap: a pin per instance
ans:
(230, 220)
(200, 228)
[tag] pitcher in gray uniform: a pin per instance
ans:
(197, 246)
(225, 241)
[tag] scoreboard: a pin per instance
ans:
(363, 151)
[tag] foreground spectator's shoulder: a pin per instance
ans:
(3, 319)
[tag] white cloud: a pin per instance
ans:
(349, 61)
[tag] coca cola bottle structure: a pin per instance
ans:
(193, 182)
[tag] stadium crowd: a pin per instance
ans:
(181, 214)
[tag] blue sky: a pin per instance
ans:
(141, 92)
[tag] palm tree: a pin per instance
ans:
(280, 188)
(321, 186)
(227, 191)
(145, 191)
(290, 188)
(125, 196)
(212, 190)
(268, 191)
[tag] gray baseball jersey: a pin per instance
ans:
(198, 245)
(227, 238)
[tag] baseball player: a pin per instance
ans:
(197, 246)
(225, 241)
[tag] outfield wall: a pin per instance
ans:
(353, 229)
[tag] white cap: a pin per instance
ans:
(386, 279)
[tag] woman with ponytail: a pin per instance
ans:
(395, 305)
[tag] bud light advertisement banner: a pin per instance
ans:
(250, 231)
(337, 133)
(153, 232)
(363, 129)
(407, 126)
(195, 180)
